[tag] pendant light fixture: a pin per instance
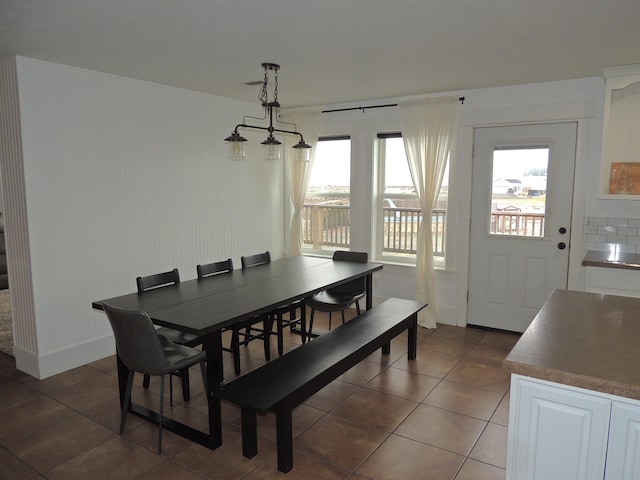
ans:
(272, 146)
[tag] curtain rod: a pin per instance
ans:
(371, 106)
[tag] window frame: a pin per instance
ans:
(328, 251)
(378, 213)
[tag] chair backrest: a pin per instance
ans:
(254, 260)
(355, 287)
(346, 256)
(138, 344)
(171, 277)
(215, 268)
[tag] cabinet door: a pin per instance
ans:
(556, 432)
(623, 459)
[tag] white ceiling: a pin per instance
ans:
(331, 51)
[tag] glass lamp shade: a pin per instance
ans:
(272, 152)
(236, 151)
(302, 154)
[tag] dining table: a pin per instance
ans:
(207, 306)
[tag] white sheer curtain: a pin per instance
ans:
(298, 173)
(428, 128)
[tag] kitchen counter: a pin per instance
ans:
(583, 339)
(628, 261)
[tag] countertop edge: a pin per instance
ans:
(626, 261)
(573, 379)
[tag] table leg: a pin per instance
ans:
(412, 346)
(369, 290)
(213, 347)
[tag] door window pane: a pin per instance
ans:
(327, 213)
(519, 191)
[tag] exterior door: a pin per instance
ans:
(522, 192)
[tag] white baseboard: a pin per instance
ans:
(43, 366)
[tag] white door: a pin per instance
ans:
(522, 192)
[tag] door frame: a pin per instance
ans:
(582, 113)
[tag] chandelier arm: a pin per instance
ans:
(295, 127)
(268, 129)
(244, 119)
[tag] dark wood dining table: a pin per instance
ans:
(207, 306)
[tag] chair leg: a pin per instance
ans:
(329, 320)
(170, 390)
(311, 324)
(280, 334)
(203, 370)
(235, 347)
(303, 323)
(342, 313)
(267, 325)
(186, 393)
(161, 412)
(358, 307)
(145, 382)
(127, 401)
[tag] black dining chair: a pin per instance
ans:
(219, 268)
(278, 314)
(159, 280)
(141, 349)
(338, 299)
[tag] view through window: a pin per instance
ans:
(326, 213)
(400, 214)
(519, 191)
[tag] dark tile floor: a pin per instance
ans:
(440, 417)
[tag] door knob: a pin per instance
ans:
(562, 245)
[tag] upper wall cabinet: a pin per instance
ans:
(620, 173)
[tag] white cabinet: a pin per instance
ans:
(559, 432)
(556, 432)
(623, 458)
(613, 281)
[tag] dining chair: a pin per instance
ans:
(141, 349)
(159, 280)
(278, 314)
(219, 268)
(338, 299)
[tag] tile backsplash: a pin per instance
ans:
(606, 234)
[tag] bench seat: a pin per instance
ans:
(284, 383)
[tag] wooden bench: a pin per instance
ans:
(282, 384)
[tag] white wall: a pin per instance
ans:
(125, 178)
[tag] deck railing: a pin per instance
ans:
(524, 224)
(329, 225)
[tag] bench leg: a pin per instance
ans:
(412, 346)
(386, 348)
(249, 432)
(284, 435)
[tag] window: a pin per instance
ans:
(326, 214)
(398, 213)
(519, 191)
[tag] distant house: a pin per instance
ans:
(507, 185)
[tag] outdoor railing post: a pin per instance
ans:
(316, 225)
